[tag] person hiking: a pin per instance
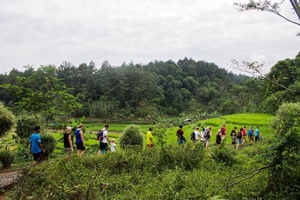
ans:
(207, 134)
(250, 135)
(223, 131)
(219, 137)
(195, 135)
(149, 138)
(180, 135)
(244, 135)
(233, 137)
(68, 144)
(257, 133)
(80, 140)
(103, 142)
(240, 138)
(36, 147)
(113, 145)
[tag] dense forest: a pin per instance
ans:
(184, 88)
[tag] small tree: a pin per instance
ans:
(25, 127)
(131, 137)
(49, 142)
(7, 120)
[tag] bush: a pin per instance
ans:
(6, 158)
(187, 157)
(22, 153)
(7, 120)
(131, 137)
(25, 127)
(283, 155)
(49, 142)
(223, 155)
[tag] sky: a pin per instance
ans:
(43, 32)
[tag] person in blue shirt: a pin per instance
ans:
(250, 135)
(80, 140)
(257, 133)
(36, 148)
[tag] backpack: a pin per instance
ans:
(222, 131)
(206, 134)
(100, 135)
(239, 135)
(193, 137)
(250, 132)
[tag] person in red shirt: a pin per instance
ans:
(223, 131)
(244, 135)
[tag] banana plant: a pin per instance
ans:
(7, 142)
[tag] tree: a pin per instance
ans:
(131, 137)
(269, 6)
(7, 120)
(283, 156)
(43, 95)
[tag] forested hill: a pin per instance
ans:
(159, 87)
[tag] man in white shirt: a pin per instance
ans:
(197, 135)
(103, 143)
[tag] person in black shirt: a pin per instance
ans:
(180, 135)
(68, 144)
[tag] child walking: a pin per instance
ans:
(113, 145)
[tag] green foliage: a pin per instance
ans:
(75, 123)
(6, 158)
(283, 155)
(223, 155)
(94, 176)
(7, 120)
(25, 127)
(152, 173)
(8, 141)
(49, 142)
(83, 111)
(131, 137)
(21, 153)
(42, 94)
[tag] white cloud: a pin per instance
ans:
(39, 32)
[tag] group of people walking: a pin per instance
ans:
(36, 147)
(238, 139)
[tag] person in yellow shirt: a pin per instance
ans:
(149, 138)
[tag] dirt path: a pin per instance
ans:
(6, 180)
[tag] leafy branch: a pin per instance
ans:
(254, 68)
(268, 6)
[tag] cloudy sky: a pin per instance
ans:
(42, 32)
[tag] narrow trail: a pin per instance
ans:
(8, 178)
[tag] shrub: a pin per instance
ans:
(7, 120)
(21, 154)
(283, 155)
(187, 157)
(223, 155)
(131, 137)
(25, 127)
(48, 142)
(6, 158)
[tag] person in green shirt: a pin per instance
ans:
(149, 138)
